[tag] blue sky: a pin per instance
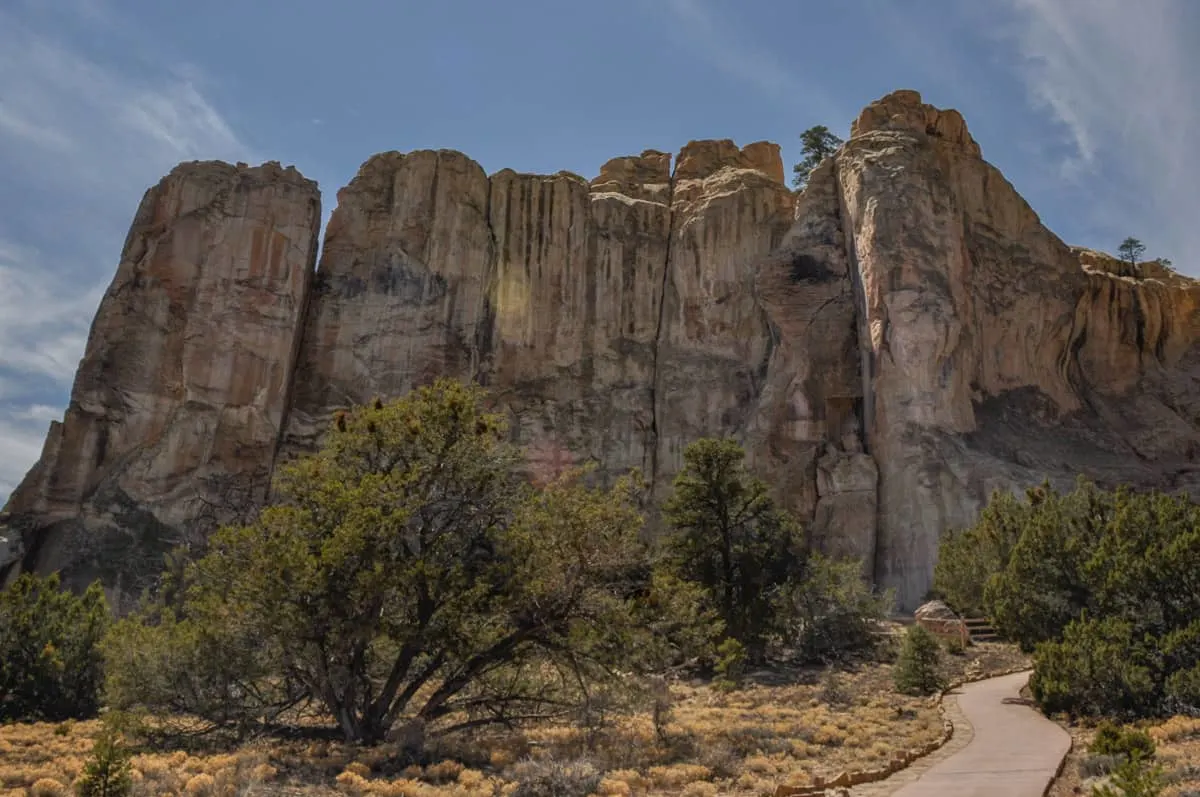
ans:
(1088, 106)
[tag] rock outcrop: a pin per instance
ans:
(186, 374)
(891, 344)
(615, 320)
(995, 358)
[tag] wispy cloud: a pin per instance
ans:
(57, 100)
(44, 318)
(718, 40)
(22, 444)
(1119, 78)
(82, 135)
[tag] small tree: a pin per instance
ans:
(969, 558)
(916, 670)
(50, 663)
(817, 145)
(830, 612)
(108, 771)
(1131, 250)
(730, 538)
(409, 575)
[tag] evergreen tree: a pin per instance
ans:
(409, 574)
(50, 662)
(817, 145)
(729, 537)
(1131, 250)
(1101, 585)
(108, 771)
(916, 670)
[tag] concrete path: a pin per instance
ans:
(1006, 749)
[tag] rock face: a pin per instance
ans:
(186, 373)
(891, 344)
(994, 357)
(616, 320)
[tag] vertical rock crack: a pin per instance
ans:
(658, 332)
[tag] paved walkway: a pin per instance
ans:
(1000, 748)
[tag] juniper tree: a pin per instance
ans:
(408, 574)
(1131, 250)
(728, 536)
(817, 144)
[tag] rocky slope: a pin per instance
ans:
(892, 344)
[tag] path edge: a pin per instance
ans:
(906, 758)
(1062, 765)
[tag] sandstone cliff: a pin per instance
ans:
(615, 320)
(892, 344)
(185, 377)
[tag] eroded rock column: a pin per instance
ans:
(186, 373)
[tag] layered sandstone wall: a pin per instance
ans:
(891, 344)
(186, 373)
(616, 321)
(998, 355)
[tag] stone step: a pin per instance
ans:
(980, 629)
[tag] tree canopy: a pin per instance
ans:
(50, 666)
(817, 144)
(1131, 250)
(729, 537)
(408, 573)
(1103, 586)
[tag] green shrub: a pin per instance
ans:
(1098, 669)
(50, 665)
(1112, 740)
(731, 663)
(1108, 737)
(1133, 777)
(1183, 691)
(916, 669)
(829, 611)
(107, 772)
(219, 671)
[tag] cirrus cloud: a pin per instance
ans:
(81, 137)
(1118, 77)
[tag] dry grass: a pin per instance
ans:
(783, 727)
(1177, 742)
